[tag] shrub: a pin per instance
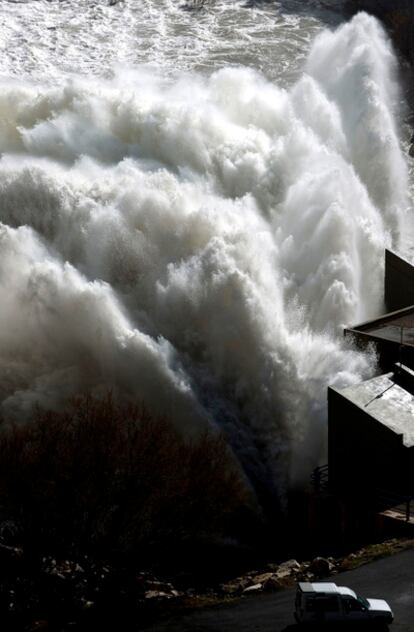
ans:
(101, 476)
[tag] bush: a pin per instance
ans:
(104, 477)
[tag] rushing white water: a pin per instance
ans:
(197, 240)
(48, 37)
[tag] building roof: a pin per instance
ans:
(396, 327)
(389, 399)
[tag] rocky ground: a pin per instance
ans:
(51, 594)
(288, 573)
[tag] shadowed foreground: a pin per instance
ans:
(391, 578)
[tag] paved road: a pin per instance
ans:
(391, 578)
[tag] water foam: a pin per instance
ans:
(43, 38)
(198, 243)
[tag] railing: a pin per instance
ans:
(320, 478)
(374, 499)
(398, 503)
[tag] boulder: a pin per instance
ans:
(253, 589)
(268, 581)
(283, 574)
(155, 589)
(154, 584)
(288, 569)
(157, 594)
(320, 567)
(272, 583)
(262, 578)
(231, 588)
(238, 584)
(291, 565)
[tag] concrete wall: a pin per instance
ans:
(399, 282)
(363, 454)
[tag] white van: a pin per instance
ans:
(325, 601)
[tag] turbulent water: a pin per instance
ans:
(193, 204)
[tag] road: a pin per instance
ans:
(391, 578)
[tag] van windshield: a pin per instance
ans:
(363, 601)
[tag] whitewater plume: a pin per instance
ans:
(198, 242)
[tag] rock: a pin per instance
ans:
(320, 566)
(253, 589)
(268, 581)
(262, 579)
(288, 569)
(155, 589)
(156, 585)
(239, 584)
(291, 565)
(157, 594)
(231, 588)
(283, 573)
(272, 583)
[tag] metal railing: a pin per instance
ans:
(387, 500)
(320, 478)
(376, 499)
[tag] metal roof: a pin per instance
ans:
(396, 327)
(318, 587)
(344, 590)
(386, 401)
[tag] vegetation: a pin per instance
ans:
(373, 552)
(112, 479)
(97, 501)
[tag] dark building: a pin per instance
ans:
(371, 436)
(399, 282)
(392, 334)
(370, 468)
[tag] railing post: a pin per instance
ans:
(317, 480)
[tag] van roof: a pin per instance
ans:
(318, 587)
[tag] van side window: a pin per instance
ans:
(352, 605)
(322, 604)
(331, 604)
